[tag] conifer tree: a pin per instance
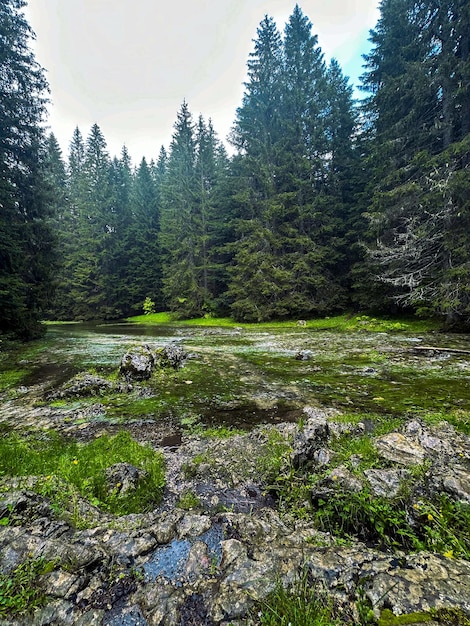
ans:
(144, 271)
(26, 240)
(70, 232)
(286, 253)
(419, 204)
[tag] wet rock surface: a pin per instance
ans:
(82, 385)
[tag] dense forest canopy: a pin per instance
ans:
(327, 204)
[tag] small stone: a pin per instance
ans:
(385, 483)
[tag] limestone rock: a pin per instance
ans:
(82, 385)
(385, 483)
(400, 449)
(172, 355)
(124, 477)
(304, 355)
(457, 483)
(314, 435)
(137, 363)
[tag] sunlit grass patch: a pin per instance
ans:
(344, 322)
(83, 466)
(152, 318)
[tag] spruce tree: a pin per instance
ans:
(287, 250)
(26, 241)
(144, 270)
(419, 207)
(67, 301)
(182, 290)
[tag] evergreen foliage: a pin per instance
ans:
(417, 75)
(26, 239)
(291, 216)
(188, 232)
(325, 205)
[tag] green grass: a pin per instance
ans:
(83, 467)
(274, 456)
(152, 318)
(459, 418)
(188, 500)
(345, 322)
(442, 526)
(20, 593)
(301, 605)
(361, 447)
(9, 379)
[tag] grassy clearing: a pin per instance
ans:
(346, 322)
(83, 467)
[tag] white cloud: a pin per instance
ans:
(128, 64)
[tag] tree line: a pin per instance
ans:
(326, 205)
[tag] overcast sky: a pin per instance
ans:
(129, 64)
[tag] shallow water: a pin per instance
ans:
(235, 377)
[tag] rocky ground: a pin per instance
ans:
(237, 520)
(210, 565)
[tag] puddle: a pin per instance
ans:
(240, 379)
(250, 415)
(172, 441)
(170, 561)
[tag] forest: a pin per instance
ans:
(327, 204)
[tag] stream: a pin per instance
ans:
(234, 377)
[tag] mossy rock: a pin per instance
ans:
(444, 617)
(387, 618)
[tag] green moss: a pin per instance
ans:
(387, 618)
(192, 467)
(188, 500)
(12, 378)
(451, 616)
(444, 616)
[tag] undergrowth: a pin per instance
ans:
(19, 590)
(303, 604)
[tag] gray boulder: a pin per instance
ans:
(172, 355)
(140, 361)
(137, 363)
(124, 477)
(385, 483)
